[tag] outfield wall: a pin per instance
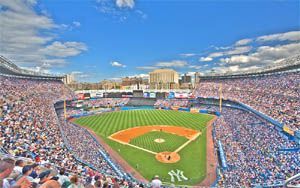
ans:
(141, 102)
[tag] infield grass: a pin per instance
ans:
(171, 141)
(193, 156)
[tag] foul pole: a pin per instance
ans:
(220, 93)
(65, 109)
(65, 105)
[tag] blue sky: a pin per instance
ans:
(109, 39)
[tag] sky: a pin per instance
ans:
(110, 39)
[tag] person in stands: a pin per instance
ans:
(6, 168)
(156, 183)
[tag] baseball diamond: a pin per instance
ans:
(132, 135)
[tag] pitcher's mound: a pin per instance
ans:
(159, 140)
(167, 157)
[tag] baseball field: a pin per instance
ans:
(171, 144)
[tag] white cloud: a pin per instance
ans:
(79, 74)
(220, 47)
(263, 56)
(195, 67)
(288, 36)
(237, 50)
(243, 42)
(205, 59)
(125, 3)
(187, 54)
(84, 76)
(139, 76)
(120, 10)
(232, 69)
(117, 64)
(146, 67)
(234, 51)
(116, 79)
(76, 24)
(239, 59)
(67, 49)
(70, 27)
(174, 63)
(37, 69)
(277, 52)
(76, 72)
(188, 74)
(142, 14)
(244, 58)
(54, 61)
(26, 33)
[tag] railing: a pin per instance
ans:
(293, 178)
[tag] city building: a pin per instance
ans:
(85, 86)
(197, 77)
(108, 84)
(129, 81)
(186, 79)
(134, 83)
(164, 79)
(69, 79)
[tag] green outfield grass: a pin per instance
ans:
(193, 156)
(172, 142)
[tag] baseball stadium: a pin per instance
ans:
(170, 128)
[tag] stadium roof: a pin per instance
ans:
(9, 68)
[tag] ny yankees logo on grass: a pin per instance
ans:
(178, 174)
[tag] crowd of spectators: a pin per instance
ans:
(106, 102)
(253, 150)
(276, 95)
(29, 125)
(25, 173)
(168, 103)
(84, 146)
(29, 128)
(76, 112)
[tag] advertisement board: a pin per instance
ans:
(80, 96)
(87, 96)
(152, 95)
(192, 96)
(100, 95)
(181, 95)
(146, 95)
(127, 96)
(171, 95)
